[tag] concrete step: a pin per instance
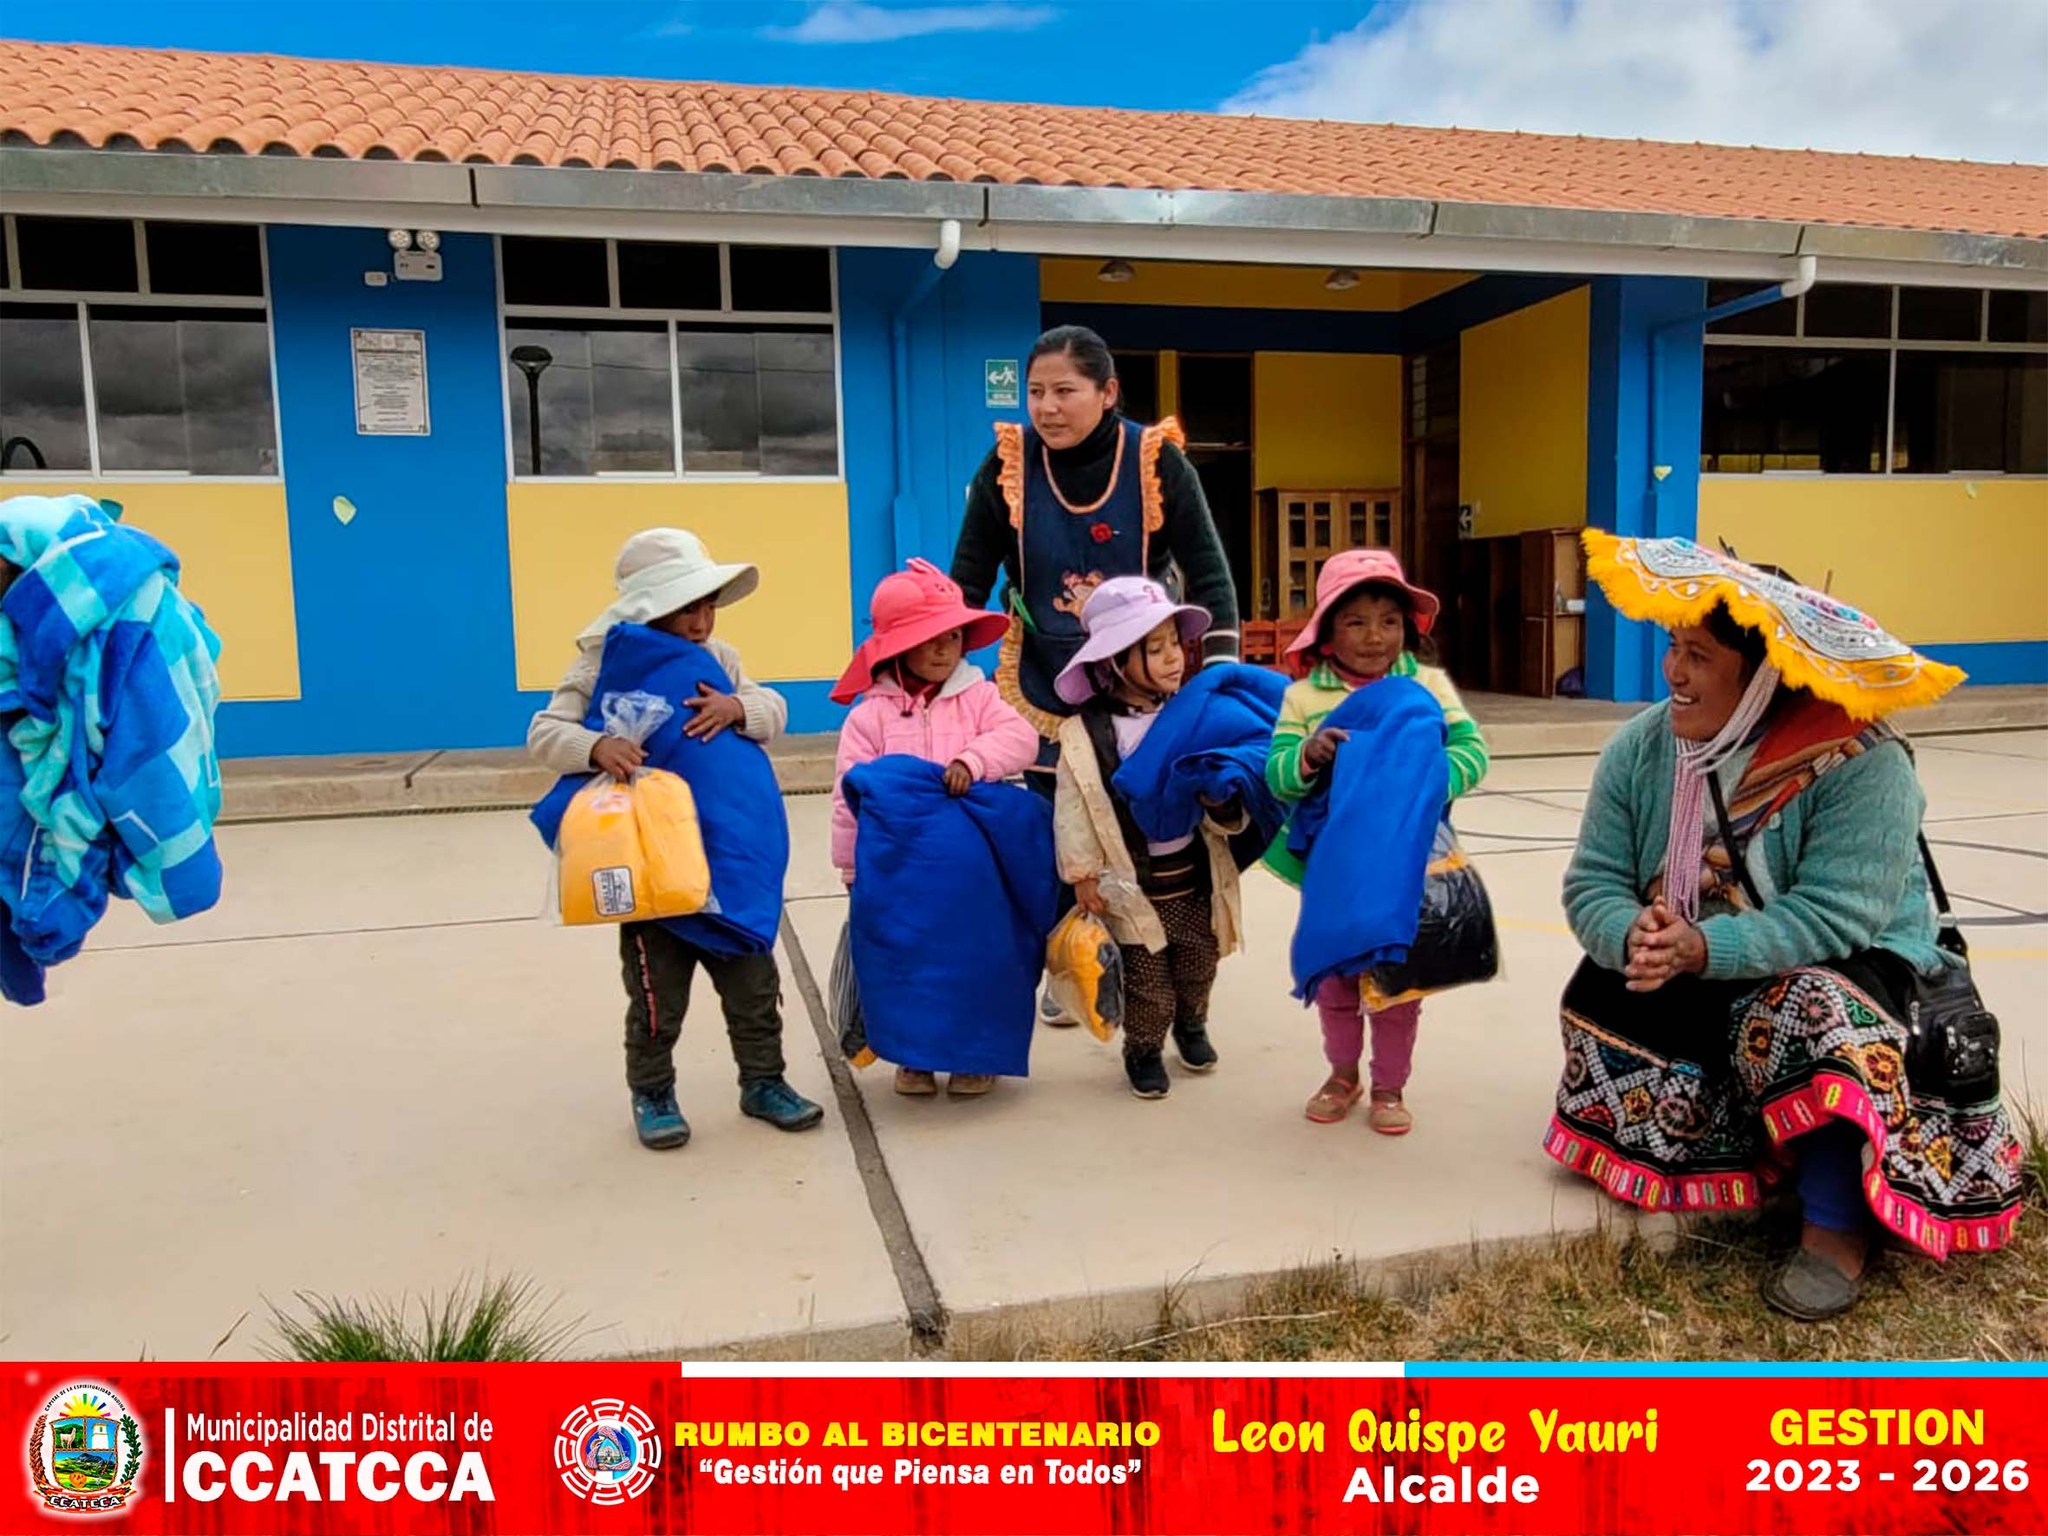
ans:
(298, 788)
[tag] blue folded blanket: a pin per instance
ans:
(739, 804)
(1365, 834)
(1210, 739)
(952, 900)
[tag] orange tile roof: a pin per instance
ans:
(125, 98)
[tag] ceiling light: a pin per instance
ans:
(1341, 278)
(1117, 271)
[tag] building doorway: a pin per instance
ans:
(1429, 436)
(1216, 412)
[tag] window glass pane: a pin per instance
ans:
(1971, 411)
(790, 279)
(183, 390)
(655, 276)
(223, 260)
(1775, 319)
(1793, 409)
(1848, 309)
(799, 410)
(1940, 314)
(42, 388)
(604, 404)
(721, 402)
(546, 271)
(85, 255)
(2018, 316)
(1138, 373)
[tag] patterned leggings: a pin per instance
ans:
(1171, 986)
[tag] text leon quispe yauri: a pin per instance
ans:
(1454, 1440)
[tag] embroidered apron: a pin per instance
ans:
(1065, 551)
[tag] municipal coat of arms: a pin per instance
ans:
(85, 1452)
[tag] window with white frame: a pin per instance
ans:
(659, 358)
(1855, 379)
(135, 347)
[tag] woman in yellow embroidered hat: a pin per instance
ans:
(1079, 495)
(1754, 899)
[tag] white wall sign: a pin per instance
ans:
(391, 382)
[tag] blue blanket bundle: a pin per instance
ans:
(1366, 833)
(1211, 738)
(952, 900)
(739, 803)
(109, 784)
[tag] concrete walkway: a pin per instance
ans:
(379, 1066)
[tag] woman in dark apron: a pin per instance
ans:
(1080, 495)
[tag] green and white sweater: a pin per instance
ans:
(1308, 702)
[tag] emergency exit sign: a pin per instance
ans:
(999, 382)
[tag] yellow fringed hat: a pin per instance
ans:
(1824, 646)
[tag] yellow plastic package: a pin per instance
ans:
(1084, 971)
(629, 852)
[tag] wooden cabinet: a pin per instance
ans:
(1298, 530)
(1520, 611)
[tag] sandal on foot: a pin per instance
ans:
(968, 1085)
(914, 1084)
(1811, 1289)
(1389, 1116)
(1333, 1101)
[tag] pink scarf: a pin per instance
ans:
(1685, 843)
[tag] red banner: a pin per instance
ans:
(643, 1448)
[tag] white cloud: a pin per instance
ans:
(856, 21)
(1953, 78)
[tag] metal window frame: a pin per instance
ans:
(674, 320)
(82, 299)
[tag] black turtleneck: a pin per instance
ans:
(1186, 539)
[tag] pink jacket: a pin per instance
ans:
(968, 720)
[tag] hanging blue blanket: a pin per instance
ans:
(110, 784)
(1366, 833)
(1210, 739)
(739, 804)
(952, 900)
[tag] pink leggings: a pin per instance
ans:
(1393, 1033)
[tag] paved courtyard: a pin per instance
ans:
(380, 1066)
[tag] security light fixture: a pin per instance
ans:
(427, 240)
(401, 239)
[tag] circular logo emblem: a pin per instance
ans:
(85, 1451)
(606, 1451)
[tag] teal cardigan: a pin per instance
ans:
(1839, 868)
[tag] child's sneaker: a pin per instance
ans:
(1388, 1115)
(968, 1085)
(1191, 1040)
(1147, 1072)
(913, 1084)
(773, 1100)
(658, 1120)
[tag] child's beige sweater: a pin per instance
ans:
(559, 740)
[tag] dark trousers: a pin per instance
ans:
(658, 969)
(1171, 987)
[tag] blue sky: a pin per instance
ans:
(1947, 78)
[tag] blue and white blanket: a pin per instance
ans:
(739, 803)
(108, 689)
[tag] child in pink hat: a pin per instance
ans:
(1172, 907)
(920, 696)
(1369, 622)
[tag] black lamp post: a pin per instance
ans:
(533, 362)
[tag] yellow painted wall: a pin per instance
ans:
(1522, 417)
(234, 548)
(1326, 420)
(564, 539)
(1074, 280)
(1945, 561)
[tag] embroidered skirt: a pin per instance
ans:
(1693, 1097)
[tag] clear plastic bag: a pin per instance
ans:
(847, 1019)
(1084, 973)
(632, 852)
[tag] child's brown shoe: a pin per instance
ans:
(1333, 1101)
(968, 1085)
(914, 1084)
(1388, 1115)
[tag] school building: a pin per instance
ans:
(397, 357)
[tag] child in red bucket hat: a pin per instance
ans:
(1370, 622)
(921, 697)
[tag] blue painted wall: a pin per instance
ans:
(1622, 494)
(404, 614)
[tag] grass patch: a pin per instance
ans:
(1602, 1296)
(501, 1319)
